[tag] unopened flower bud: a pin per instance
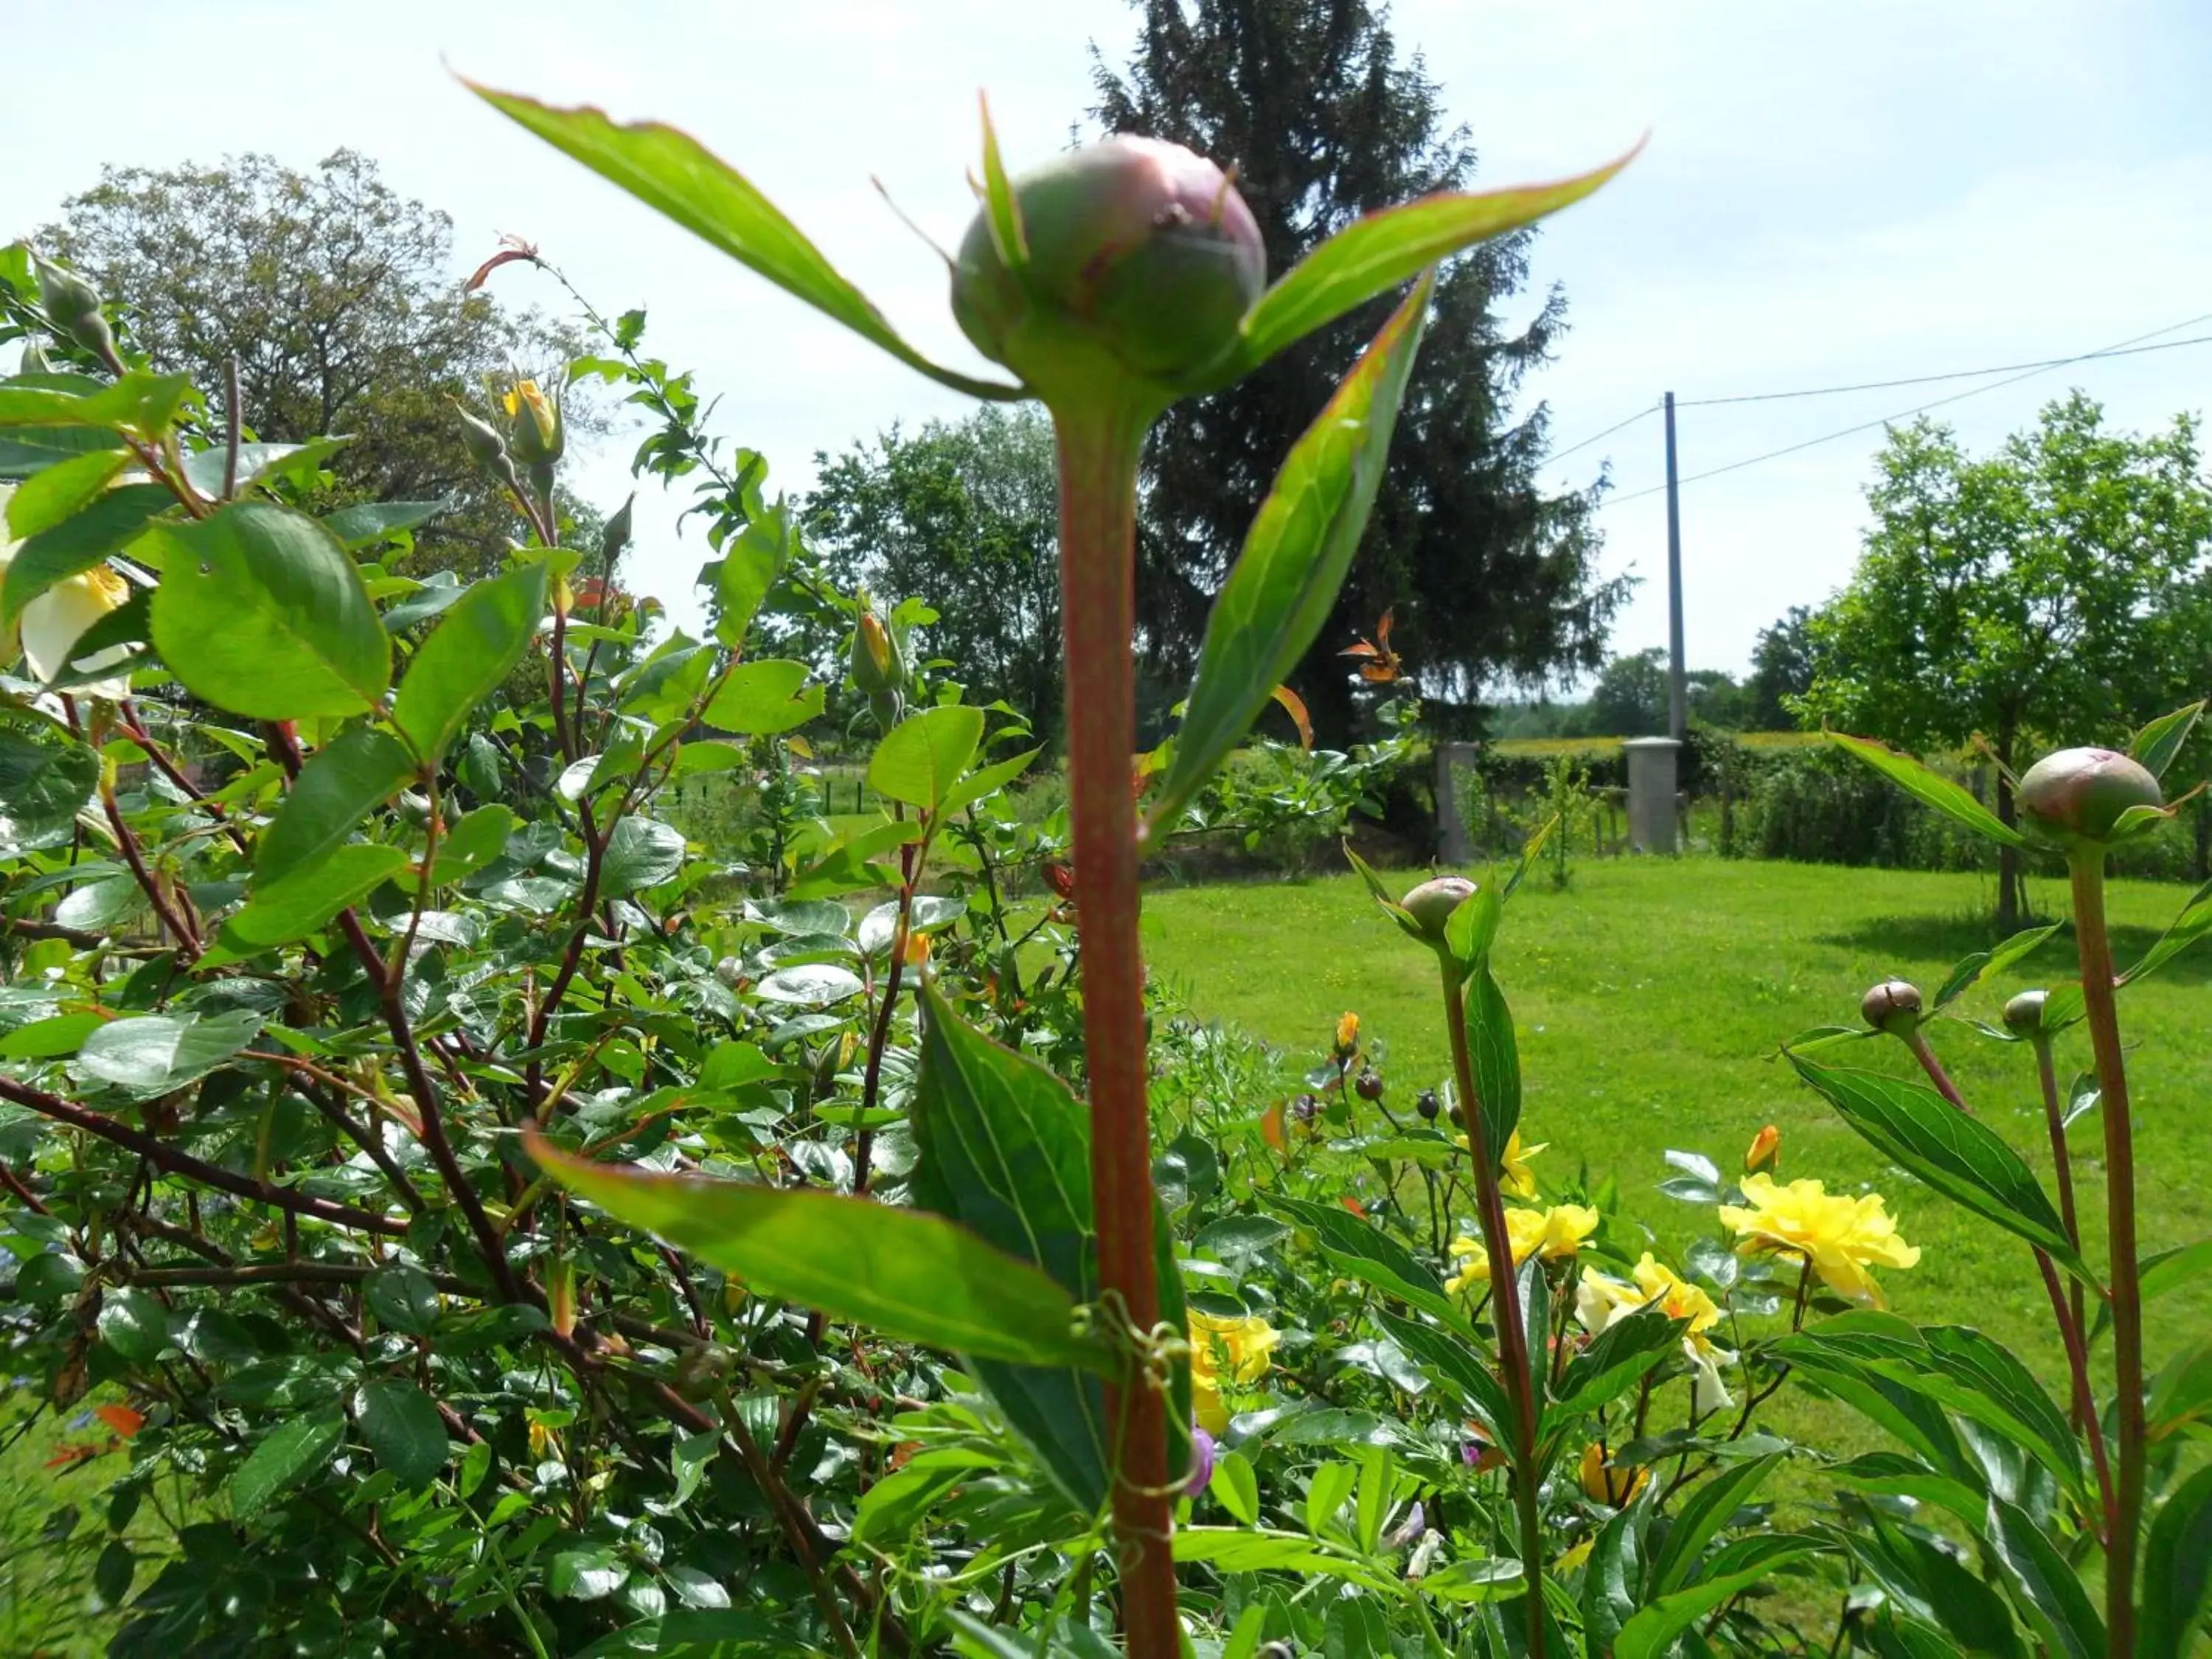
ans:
(1138, 254)
(1201, 1462)
(534, 428)
(72, 305)
(2023, 1015)
(1431, 903)
(1428, 1105)
(561, 1295)
(876, 662)
(1368, 1086)
(487, 448)
(616, 535)
(2080, 794)
(1892, 1006)
(1764, 1154)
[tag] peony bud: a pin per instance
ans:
(1892, 1006)
(2023, 1015)
(1139, 256)
(1765, 1155)
(1431, 903)
(2080, 794)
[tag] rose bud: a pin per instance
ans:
(2080, 794)
(533, 425)
(1765, 1156)
(1892, 1006)
(72, 305)
(1431, 903)
(1138, 255)
(2023, 1015)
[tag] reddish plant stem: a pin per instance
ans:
(1506, 1306)
(182, 931)
(879, 1036)
(2087, 866)
(1099, 449)
(2062, 1161)
(170, 1161)
(135, 728)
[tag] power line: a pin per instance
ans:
(1561, 454)
(2121, 348)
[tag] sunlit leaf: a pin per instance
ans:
(1930, 787)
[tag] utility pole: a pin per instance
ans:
(1678, 696)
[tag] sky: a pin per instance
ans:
(1832, 194)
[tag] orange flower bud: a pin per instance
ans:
(1765, 1153)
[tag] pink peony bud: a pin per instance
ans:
(2079, 794)
(1892, 1006)
(1431, 903)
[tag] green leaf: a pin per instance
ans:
(1370, 1255)
(1709, 1507)
(342, 782)
(989, 780)
(476, 646)
(640, 853)
(305, 901)
(1380, 251)
(1454, 1362)
(915, 1278)
(1932, 1586)
(379, 521)
(403, 1428)
(113, 1573)
(261, 612)
(292, 1452)
(2160, 741)
(921, 760)
(2169, 1270)
(1005, 1151)
(2177, 1569)
(2044, 1584)
(475, 840)
(135, 1324)
(591, 1574)
(1473, 926)
(1496, 1059)
(2184, 931)
(760, 698)
(1930, 787)
(140, 404)
(1003, 212)
(751, 564)
(77, 544)
(1651, 1633)
(1236, 1487)
(48, 497)
(43, 782)
(1987, 965)
(1279, 592)
(152, 1054)
(2181, 1394)
(674, 173)
(1620, 1357)
(1953, 1152)
(1613, 1575)
(403, 1298)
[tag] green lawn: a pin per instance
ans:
(1649, 999)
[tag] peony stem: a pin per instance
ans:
(2087, 866)
(2062, 1162)
(1099, 449)
(1513, 1353)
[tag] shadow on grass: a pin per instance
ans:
(1947, 938)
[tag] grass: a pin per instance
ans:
(1649, 1000)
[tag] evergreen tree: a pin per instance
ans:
(1489, 576)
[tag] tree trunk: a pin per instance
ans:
(2012, 896)
(2200, 867)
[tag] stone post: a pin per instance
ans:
(1455, 837)
(1651, 794)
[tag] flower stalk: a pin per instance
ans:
(2085, 865)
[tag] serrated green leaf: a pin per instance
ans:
(292, 1452)
(342, 783)
(475, 645)
(921, 759)
(760, 698)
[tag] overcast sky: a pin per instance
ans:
(1833, 193)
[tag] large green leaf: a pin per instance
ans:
(1708, 1508)
(1279, 592)
(78, 543)
(671, 171)
(295, 1450)
(2184, 931)
(915, 1278)
(1494, 1057)
(760, 698)
(1987, 965)
(152, 1054)
(403, 1428)
(1374, 1258)
(2160, 741)
(1621, 1356)
(135, 1324)
(1652, 1633)
(1931, 1585)
(749, 565)
(2043, 1584)
(371, 522)
(280, 912)
(1005, 1151)
(481, 638)
(1455, 1361)
(43, 782)
(2177, 1569)
(921, 760)
(641, 852)
(140, 404)
(46, 498)
(1377, 253)
(261, 612)
(1955, 1154)
(342, 783)
(1929, 787)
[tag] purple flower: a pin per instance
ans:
(1201, 1462)
(1408, 1531)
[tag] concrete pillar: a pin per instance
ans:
(1455, 837)
(1651, 794)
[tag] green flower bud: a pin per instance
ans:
(876, 661)
(616, 535)
(1892, 1006)
(487, 448)
(1431, 903)
(1139, 252)
(2023, 1015)
(534, 427)
(34, 360)
(2080, 794)
(72, 305)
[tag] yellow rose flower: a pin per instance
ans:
(52, 623)
(1554, 1234)
(1225, 1350)
(1601, 1300)
(1841, 1236)
(1613, 1485)
(1518, 1180)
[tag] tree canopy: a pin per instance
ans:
(337, 297)
(1490, 576)
(2053, 593)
